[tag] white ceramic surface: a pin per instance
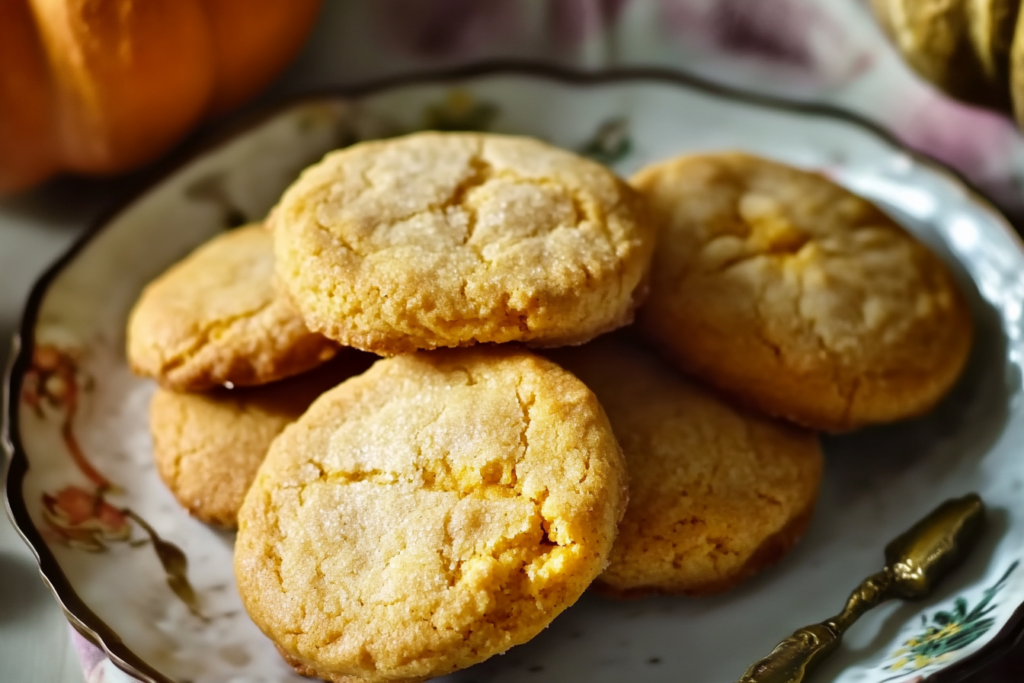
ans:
(877, 482)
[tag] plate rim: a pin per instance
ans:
(16, 464)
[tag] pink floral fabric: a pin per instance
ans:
(95, 665)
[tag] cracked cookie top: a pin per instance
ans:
(796, 296)
(216, 318)
(428, 514)
(716, 494)
(449, 239)
(208, 446)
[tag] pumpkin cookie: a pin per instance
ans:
(216, 318)
(208, 446)
(449, 239)
(715, 494)
(428, 514)
(797, 297)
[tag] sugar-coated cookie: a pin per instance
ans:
(216, 318)
(449, 239)
(208, 446)
(797, 297)
(428, 514)
(715, 493)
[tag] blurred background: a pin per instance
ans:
(81, 128)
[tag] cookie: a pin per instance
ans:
(428, 514)
(716, 494)
(797, 297)
(208, 446)
(216, 318)
(450, 239)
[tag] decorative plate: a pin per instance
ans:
(154, 588)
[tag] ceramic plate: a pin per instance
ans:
(155, 588)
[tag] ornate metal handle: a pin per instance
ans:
(915, 563)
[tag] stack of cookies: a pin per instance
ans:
(402, 518)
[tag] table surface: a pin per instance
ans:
(365, 39)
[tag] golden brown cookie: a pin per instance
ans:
(208, 446)
(449, 239)
(428, 514)
(797, 297)
(716, 494)
(310, 672)
(216, 318)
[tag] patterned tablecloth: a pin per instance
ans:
(814, 50)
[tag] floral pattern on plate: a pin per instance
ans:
(948, 631)
(80, 517)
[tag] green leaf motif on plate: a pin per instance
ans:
(460, 111)
(949, 631)
(610, 144)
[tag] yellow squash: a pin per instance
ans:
(971, 49)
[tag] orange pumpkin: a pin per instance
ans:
(101, 86)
